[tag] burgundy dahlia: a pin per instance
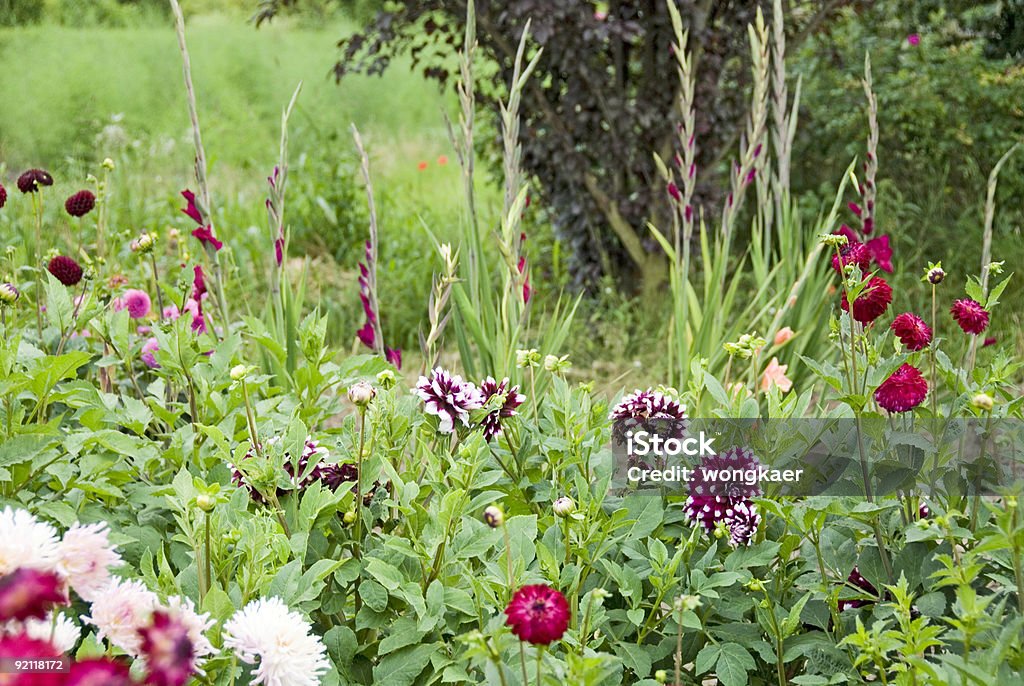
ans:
(538, 614)
(80, 204)
(970, 315)
(912, 331)
(513, 399)
(636, 410)
(872, 302)
(904, 390)
(449, 398)
(3, 195)
(23, 647)
(716, 475)
(857, 580)
(320, 472)
(168, 651)
(30, 181)
(27, 593)
(65, 270)
(102, 671)
(853, 253)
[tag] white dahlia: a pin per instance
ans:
(288, 653)
(26, 542)
(119, 611)
(86, 557)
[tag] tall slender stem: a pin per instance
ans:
(359, 483)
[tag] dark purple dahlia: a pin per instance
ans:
(857, 580)
(3, 195)
(326, 473)
(80, 204)
(720, 492)
(513, 399)
(449, 398)
(30, 181)
(65, 270)
(650, 410)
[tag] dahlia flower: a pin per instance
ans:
(25, 542)
(148, 348)
(65, 270)
(854, 253)
(713, 477)
(30, 181)
(912, 331)
(168, 650)
(136, 302)
(267, 631)
(120, 611)
(742, 519)
(3, 196)
(970, 315)
(449, 398)
(857, 580)
(904, 390)
(648, 405)
(103, 671)
(23, 647)
(80, 204)
(538, 614)
(59, 630)
(9, 294)
(26, 593)
(872, 302)
(512, 399)
(85, 558)
(184, 611)
(329, 474)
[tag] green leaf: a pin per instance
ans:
(387, 574)
(733, 664)
(402, 667)
(635, 658)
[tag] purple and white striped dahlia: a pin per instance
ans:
(449, 397)
(513, 399)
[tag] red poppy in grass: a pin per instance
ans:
(872, 302)
(912, 331)
(904, 390)
(191, 210)
(970, 315)
(65, 270)
(206, 237)
(26, 593)
(80, 204)
(100, 672)
(538, 614)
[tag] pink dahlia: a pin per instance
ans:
(86, 557)
(538, 614)
(26, 593)
(912, 331)
(148, 349)
(904, 390)
(512, 399)
(136, 302)
(970, 315)
(872, 302)
(168, 650)
(120, 611)
(448, 397)
(104, 671)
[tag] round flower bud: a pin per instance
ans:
(361, 393)
(661, 676)
(563, 507)
(386, 379)
(142, 244)
(494, 516)
(205, 502)
(349, 517)
(238, 372)
(527, 358)
(755, 585)
(9, 294)
(983, 402)
(936, 275)
(108, 164)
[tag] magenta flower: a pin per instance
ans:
(914, 39)
(912, 331)
(148, 348)
(3, 196)
(65, 270)
(904, 390)
(449, 398)
(206, 237)
(26, 593)
(136, 302)
(168, 651)
(191, 210)
(513, 398)
(103, 671)
(394, 356)
(198, 283)
(880, 252)
(853, 252)
(538, 614)
(970, 316)
(872, 302)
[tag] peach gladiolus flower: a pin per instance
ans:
(783, 335)
(775, 375)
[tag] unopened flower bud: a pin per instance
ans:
(527, 358)
(349, 517)
(936, 275)
(557, 365)
(238, 372)
(834, 240)
(108, 164)
(386, 379)
(563, 507)
(661, 676)
(9, 294)
(143, 244)
(494, 516)
(983, 402)
(205, 502)
(755, 585)
(361, 394)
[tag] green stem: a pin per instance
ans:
(540, 664)
(209, 560)
(359, 484)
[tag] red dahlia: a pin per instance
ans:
(970, 315)
(168, 651)
(30, 181)
(65, 270)
(27, 593)
(22, 647)
(912, 331)
(538, 614)
(3, 195)
(80, 204)
(100, 672)
(904, 390)
(872, 302)
(853, 253)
